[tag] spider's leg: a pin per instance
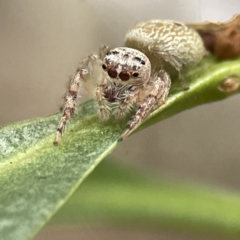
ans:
(167, 85)
(157, 95)
(81, 76)
(103, 50)
(182, 81)
(69, 106)
(175, 61)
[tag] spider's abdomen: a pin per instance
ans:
(170, 39)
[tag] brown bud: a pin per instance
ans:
(231, 84)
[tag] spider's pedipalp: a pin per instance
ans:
(103, 109)
(127, 104)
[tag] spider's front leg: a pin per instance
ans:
(81, 76)
(157, 96)
(70, 103)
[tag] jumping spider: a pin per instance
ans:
(124, 77)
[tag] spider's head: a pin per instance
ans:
(127, 66)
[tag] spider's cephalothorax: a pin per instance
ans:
(127, 66)
(119, 79)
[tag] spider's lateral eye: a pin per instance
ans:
(135, 74)
(124, 75)
(112, 73)
(138, 59)
(108, 53)
(143, 62)
(104, 67)
(115, 52)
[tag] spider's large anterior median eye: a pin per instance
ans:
(124, 75)
(112, 73)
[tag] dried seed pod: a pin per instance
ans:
(221, 38)
(167, 41)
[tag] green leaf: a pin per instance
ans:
(204, 82)
(120, 195)
(36, 178)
